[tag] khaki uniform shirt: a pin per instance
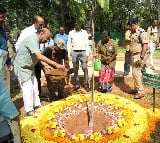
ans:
(107, 51)
(138, 38)
(127, 39)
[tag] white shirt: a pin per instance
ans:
(153, 34)
(25, 33)
(78, 40)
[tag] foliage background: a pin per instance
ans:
(112, 15)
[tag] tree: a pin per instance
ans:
(105, 14)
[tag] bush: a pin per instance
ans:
(122, 50)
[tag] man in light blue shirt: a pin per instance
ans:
(62, 35)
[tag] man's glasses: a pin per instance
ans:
(3, 17)
(42, 25)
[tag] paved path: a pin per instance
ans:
(120, 66)
(119, 69)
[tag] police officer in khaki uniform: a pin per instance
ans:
(138, 48)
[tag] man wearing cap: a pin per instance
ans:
(78, 48)
(59, 54)
(138, 48)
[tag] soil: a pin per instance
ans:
(75, 119)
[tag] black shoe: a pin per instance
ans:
(76, 87)
(87, 87)
(143, 70)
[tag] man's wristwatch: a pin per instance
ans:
(142, 57)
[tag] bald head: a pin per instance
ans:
(44, 35)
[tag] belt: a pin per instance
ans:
(79, 50)
(137, 53)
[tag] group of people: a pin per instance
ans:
(140, 47)
(36, 49)
(152, 45)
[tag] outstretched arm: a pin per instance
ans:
(43, 58)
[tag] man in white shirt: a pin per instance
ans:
(38, 23)
(78, 48)
(153, 43)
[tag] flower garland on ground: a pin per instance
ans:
(133, 123)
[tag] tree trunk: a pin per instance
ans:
(158, 18)
(62, 12)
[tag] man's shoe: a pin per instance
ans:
(133, 92)
(76, 87)
(87, 87)
(138, 95)
(30, 113)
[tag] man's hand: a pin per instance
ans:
(59, 66)
(157, 44)
(48, 67)
(139, 62)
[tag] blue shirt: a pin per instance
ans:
(3, 40)
(3, 44)
(64, 37)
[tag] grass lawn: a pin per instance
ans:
(122, 50)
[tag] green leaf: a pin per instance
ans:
(103, 4)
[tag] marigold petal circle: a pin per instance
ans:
(124, 121)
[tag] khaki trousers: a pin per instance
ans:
(137, 77)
